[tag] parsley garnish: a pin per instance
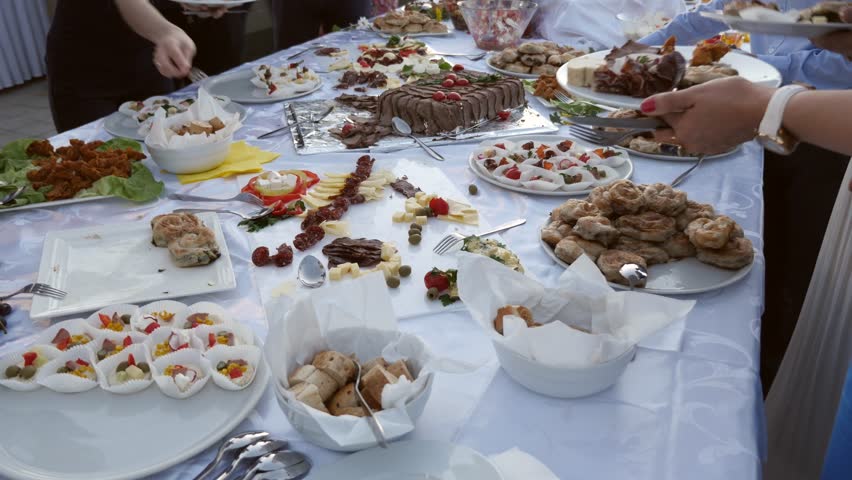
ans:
(579, 109)
(263, 222)
(490, 78)
(393, 41)
(445, 65)
(446, 299)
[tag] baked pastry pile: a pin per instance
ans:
(328, 383)
(189, 241)
(644, 224)
(409, 22)
(538, 58)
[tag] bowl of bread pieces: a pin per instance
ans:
(315, 351)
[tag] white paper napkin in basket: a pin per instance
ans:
(515, 464)
(615, 320)
(205, 108)
(351, 317)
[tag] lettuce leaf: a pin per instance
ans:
(120, 143)
(141, 186)
(14, 156)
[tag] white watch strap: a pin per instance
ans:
(774, 115)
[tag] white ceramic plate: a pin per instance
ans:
(117, 263)
(808, 30)
(55, 203)
(120, 125)
(674, 158)
(682, 277)
(750, 68)
(507, 72)
(96, 434)
(238, 87)
(412, 35)
(624, 171)
(412, 460)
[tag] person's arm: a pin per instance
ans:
(173, 48)
(689, 27)
(820, 68)
(716, 116)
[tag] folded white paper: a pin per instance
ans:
(585, 321)
(205, 108)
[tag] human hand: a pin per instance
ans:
(710, 118)
(840, 42)
(173, 54)
(215, 11)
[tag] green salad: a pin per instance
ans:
(140, 186)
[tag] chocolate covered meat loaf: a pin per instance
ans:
(431, 107)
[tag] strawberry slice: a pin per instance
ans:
(82, 362)
(235, 373)
(151, 327)
(127, 341)
(211, 339)
(105, 320)
(29, 358)
(131, 360)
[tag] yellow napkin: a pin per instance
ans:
(242, 158)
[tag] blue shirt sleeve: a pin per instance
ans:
(820, 68)
(689, 27)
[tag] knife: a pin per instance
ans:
(643, 122)
(299, 137)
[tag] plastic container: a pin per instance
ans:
(497, 24)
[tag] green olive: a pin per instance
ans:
(432, 293)
(393, 282)
(122, 366)
(414, 239)
(102, 354)
(414, 232)
(12, 371)
(221, 366)
(422, 211)
(62, 369)
(144, 367)
(415, 226)
(404, 271)
(28, 372)
(473, 189)
(125, 319)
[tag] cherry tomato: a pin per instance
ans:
(438, 281)
(439, 206)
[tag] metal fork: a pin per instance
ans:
(453, 239)
(306, 50)
(251, 216)
(602, 138)
(196, 75)
(677, 181)
(240, 197)
(562, 97)
(378, 431)
(42, 289)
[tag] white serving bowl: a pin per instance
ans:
(309, 429)
(192, 159)
(562, 382)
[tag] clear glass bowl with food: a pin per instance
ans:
(497, 24)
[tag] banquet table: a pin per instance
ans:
(694, 412)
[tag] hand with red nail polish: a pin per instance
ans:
(713, 117)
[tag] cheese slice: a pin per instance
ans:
(581, 71)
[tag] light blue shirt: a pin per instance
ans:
(796, 58)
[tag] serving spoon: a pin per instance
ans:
(251, 216)
(9, 198)
(276, 461)
(237, 442)
(311, 272)
(291, 472)
(633, 273)
(403, 128)
(257, 449)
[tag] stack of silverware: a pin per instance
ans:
(257, 456)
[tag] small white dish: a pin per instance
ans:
(191, 159)
(412, 460)
(562, 382)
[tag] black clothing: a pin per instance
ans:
(299, 22)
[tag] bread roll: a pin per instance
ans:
(309, 395)
(373, 383)
(336, 364)
(301, 375)
(581, 71)
(325, 383)
(516, 310)
(344, 398)
(366, 367)
(400, 369)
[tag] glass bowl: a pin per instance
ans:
(497, 24)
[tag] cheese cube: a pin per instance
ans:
(421, 219)
(388, 251)
(398, 217)
(335, 274)
(354, 270)
(409, 217)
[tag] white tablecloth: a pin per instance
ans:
(694, 414)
